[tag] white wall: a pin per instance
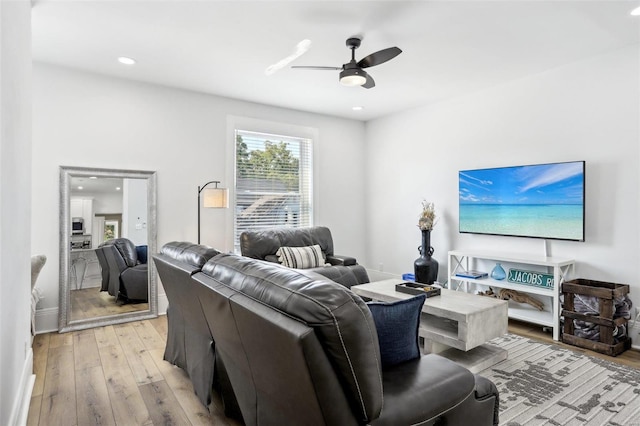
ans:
(16, 357)
(134, 218)
(110, 203)
(182, 135)
(583, 111)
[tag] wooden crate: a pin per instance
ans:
(606, 293)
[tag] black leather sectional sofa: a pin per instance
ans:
(292, 347)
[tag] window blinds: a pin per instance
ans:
(273, 182)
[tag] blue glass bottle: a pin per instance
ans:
(498, 273)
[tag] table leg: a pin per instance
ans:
(75, 274)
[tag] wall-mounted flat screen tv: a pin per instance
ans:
(538, 201)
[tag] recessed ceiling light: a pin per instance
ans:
(117, 188)
(93, 177)
(126, 61)
(357, 108)
(80, 187)
(636, 11)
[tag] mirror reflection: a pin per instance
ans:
(107, 231)
(108, 269)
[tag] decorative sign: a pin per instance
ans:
(537, 279)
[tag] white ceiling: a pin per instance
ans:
(223, 47)
(100, 185)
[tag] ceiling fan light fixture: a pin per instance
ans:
(353, 77)
(353, 73)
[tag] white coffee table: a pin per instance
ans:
(455, 324)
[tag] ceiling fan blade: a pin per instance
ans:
(316, 68)
(379, 57)
(301, 49)
(369, 83)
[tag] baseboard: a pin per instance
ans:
(376, 275)
(163, 303)
(46, 320)
(20, 410)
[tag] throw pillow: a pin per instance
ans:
(141, 252)
(397, 325)
(301, 257)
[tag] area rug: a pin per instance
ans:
(542, 384)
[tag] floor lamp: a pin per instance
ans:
(217, 198)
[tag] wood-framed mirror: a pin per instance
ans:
(107, 237)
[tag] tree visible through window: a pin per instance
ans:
(273, 182)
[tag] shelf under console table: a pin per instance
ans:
(561, 268)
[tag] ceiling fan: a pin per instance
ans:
(353, 73)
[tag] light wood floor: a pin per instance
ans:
(115, 375)
(93, 303)
(629, 357)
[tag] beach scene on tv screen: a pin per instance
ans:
(543, 201)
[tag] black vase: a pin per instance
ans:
(426, 267)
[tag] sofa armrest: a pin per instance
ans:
(421, 390)
(135, 282)
(336, 260)
(487, 390)
(272, 258)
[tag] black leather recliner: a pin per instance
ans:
(189, 342)
(128, 278)
(301, 349)
(104, 268)
(264, 243)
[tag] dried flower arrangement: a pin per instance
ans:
(428, 216)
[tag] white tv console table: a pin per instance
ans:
(562, 268)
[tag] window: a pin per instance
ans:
(273, 182)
